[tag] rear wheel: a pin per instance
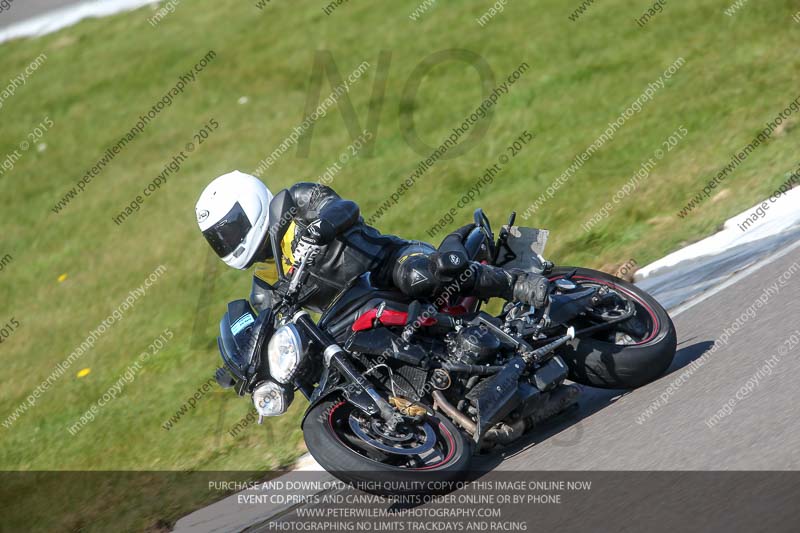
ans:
(363, 451)
(630, 354)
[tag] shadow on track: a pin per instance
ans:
(557, 429)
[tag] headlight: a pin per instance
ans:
(271, 399)
(285, 354)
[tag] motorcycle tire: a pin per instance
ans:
(602, 364)
(323, 429)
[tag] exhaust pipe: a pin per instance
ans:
(441, 403)
(558, 401)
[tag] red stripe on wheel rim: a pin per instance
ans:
(633, 296)
(442, 428)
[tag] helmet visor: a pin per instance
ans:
(229, 232)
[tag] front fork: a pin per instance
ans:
(359, 391)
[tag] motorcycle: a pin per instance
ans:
(402, 389)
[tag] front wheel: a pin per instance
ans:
(630, 354)
(362, 451)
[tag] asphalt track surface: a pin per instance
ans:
(25, 9)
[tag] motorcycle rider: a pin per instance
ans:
(245, 224)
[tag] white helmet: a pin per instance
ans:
(233, 214)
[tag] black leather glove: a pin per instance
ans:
(532, 289)
(320, 232)
(333, 219)
(449, 264)
(315, 236)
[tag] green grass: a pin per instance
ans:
(102, 74)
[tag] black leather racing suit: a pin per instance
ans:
(350, 248)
